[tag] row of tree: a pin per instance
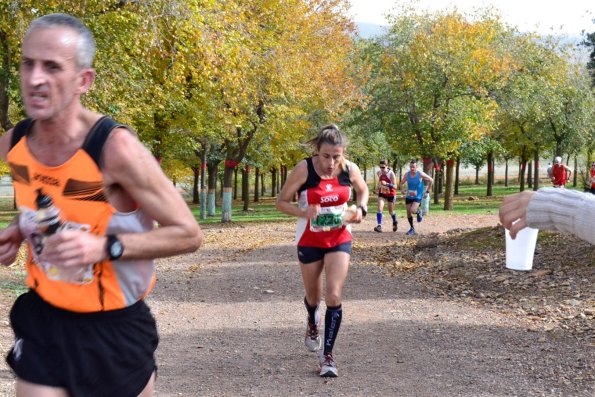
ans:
(450, 89)
(209, 85)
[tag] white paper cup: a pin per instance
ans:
(520, 251)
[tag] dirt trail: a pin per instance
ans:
(231, 323)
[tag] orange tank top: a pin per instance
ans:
(76, 189)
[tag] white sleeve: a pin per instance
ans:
(565, 210)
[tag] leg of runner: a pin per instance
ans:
(336, 269)
(312, 277)
(378, 227)
(391, 210)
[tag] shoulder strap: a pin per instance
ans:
(344, 178)
(312, 179)
(97, 137)
(20, 130)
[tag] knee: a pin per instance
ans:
(333, 299)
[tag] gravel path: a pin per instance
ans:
(231, 321)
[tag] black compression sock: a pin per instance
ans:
(410, 219)
(332, 323)
(312, 311)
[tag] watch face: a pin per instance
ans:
(116, 249)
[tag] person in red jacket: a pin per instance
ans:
(560, 173)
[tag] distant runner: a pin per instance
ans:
(387, 191)
(414, 193)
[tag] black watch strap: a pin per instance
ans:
(364, 210)
(114, 247)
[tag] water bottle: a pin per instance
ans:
(48, 216)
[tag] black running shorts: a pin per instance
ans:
(314, 254)
(88, 354)
(389, 199)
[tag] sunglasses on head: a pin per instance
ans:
(382, 166)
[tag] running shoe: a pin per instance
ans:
(420, 216)
(411, 232)
(328, 368)
(394, 226)
(378, 229)
(312, 340)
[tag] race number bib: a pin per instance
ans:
(412, 193)
(329, 218)
(384, 190)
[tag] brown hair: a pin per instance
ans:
(331, 135)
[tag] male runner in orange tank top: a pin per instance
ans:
(93, 194)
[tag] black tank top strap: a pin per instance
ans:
(97, 137)
(20, 130)
(343, 177)
(313, 179)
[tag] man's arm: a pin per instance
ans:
(128, 164)
(403, 181)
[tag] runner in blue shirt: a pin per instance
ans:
(415, 192)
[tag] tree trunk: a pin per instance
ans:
(437, 182)
(203, 187)
(246, 187)
(522, 175)
(477, 167)
(490, 191)
(262, 187)
(449, 185)
(283, 174)
(4, 82)
(235, 183)
(212, 193)
(457, 180)
(274, 182)
(529, 175)
(195, 188)
(536, 168)
(506, 173)
(227, 193)
(256, 185)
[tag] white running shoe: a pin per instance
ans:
(312, 340)
(328, 368)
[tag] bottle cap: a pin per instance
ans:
(42, 200)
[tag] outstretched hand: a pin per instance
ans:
(513, 212)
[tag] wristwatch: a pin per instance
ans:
(114, 247)
(364, 210)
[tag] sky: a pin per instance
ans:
(567, 17)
